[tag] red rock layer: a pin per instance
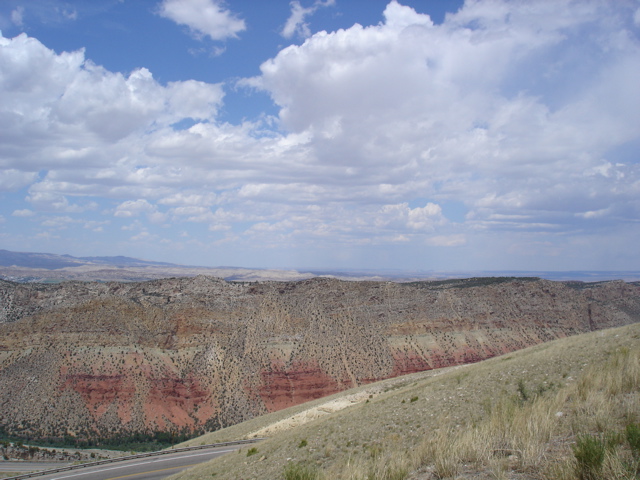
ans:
(302, 382)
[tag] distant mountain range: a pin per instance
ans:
(51, 261)
(47, 267)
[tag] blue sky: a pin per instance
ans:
(428, 135)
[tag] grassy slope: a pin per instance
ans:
(495, 419)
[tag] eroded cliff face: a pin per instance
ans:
(94, 360)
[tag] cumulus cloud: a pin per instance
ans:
(296, 24)
(401, 217)
(486, 105)
(514, 112)
(85, 126)
(203, 17)
(48, 201)
(73, 105)
(136, 208)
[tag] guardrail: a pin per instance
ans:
(130, 457)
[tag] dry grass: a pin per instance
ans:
(256, 426)
(513, 417)
(535, 435)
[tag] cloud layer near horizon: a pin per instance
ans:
(511, 125)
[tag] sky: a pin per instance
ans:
(361, 134)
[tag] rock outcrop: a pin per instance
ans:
(93, 360)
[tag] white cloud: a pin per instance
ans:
(144, 237)
(69, 13)
(295, 24)
(114, 107)
(453, 107)
(425, 217)
(96, 226)
(203, 17)
(13, 178)
(192, 213)
(74, 107)
(47, 236)
(511, 111)
(17, 16)
(25, 212)
(401, 217)
(133, 208)
(189, 199)
(594, 213)
(137, 208)
(136, 225)
(59, 223)
(192, 99)
(446, 240)
(43, 200)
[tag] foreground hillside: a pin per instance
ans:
(566, 410)
(97, 360)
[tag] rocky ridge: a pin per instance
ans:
(93, 360)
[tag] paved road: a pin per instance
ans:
(150, 468)
(6, 466)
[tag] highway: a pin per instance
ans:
(23, 467)
(150, 468)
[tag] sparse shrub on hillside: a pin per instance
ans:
(589, 453)
(461, 377)
(252, 451)
(633, 438)
(523, 391)
(300, 471)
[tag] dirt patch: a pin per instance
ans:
(314, 413)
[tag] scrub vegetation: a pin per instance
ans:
(565, 410)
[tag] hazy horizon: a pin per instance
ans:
(382, 273)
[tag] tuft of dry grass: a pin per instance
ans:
(389, 465)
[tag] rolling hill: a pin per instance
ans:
(566, 409)
(89, 362)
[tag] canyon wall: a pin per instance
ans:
(93, 360)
